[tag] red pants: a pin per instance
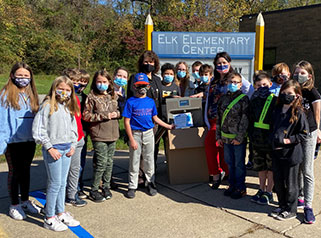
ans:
(214, 154)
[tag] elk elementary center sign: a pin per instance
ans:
(191, 46)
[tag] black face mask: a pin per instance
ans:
(286, 99)
(148, 68)
(263, 90)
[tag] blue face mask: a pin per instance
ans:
(204, 79)
(168, 78)
(196, 75)
(181, 74)
(232, 87)
(102, 87)
(76, 87)
(121, 82)
(222, 68)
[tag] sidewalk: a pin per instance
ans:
(193, 210)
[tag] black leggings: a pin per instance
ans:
(19, 157)
(286, 184)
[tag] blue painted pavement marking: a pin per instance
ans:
(78, 230)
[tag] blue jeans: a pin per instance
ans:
(57, 172)
(234, 156)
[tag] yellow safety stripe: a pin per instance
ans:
(260, 123)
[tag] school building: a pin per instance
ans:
(291, 35)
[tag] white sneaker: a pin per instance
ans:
(16, 212)
(54, 224)
(68, 219)
(30, 206)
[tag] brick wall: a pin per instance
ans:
(295, 33)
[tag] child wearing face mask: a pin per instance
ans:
(231, 131)
(148, 63)
(289, 129)
(120, 81)
(169, 85)
(140, 114)
(206, 75)
(55, 128)
(195, 72)
(262, 104)
(169, 89)
(280, 74)
(102, 113)
(186, 85)
(72, 197)
(304, 74)
(18, 106)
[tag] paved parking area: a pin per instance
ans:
(191, 210)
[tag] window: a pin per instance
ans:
(269, 58)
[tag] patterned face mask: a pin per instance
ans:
(21, 82)
(63, 95)
(222, 68)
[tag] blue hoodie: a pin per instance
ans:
(16, 125)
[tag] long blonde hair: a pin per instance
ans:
(51, 99)
(10, 92)
(183, 82)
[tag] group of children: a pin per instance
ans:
(280, 118)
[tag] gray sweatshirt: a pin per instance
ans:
(59, 128)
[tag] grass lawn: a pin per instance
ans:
(43, 83)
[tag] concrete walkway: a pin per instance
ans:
(193, 210)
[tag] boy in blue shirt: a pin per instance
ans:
(139, 113)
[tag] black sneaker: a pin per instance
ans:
(237, 194)
(277, 211)
(257, 196)
(131, 193)
(82, 194)
(218, 182)
(284, 216)
(151, 189)
(106, 193)
(96, 196)
(75, 202)
(229, 191)
(265, 199)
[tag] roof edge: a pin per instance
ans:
(283, 10)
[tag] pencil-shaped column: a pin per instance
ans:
(148, 32)
(259, 43)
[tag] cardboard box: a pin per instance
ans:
(186, 159)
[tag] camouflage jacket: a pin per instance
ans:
(236, 121)
(97, 110)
